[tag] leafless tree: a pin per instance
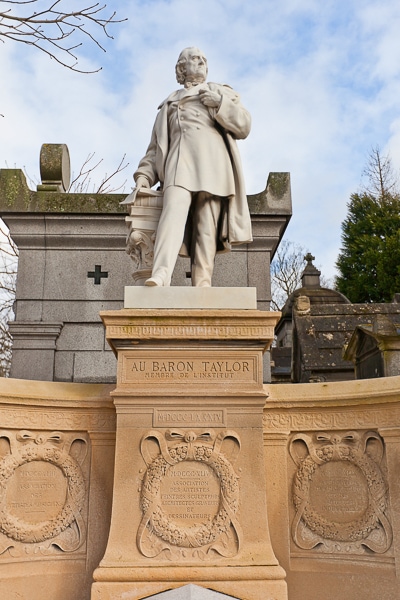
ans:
(50, 27)
(286, 269)
(382, 180)
(8, 276)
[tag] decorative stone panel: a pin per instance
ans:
(43, 493)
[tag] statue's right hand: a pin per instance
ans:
(142, 182)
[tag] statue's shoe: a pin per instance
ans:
(153, 282)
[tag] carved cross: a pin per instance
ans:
(309, 257)
(97, 274)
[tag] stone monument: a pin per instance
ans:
(197, 513)
(189, 501)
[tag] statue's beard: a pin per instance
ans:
(195, 79)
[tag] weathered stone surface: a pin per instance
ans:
(189, 401)
(98, 367)
(331, 451)
(29, 337)
(56, 467)
(55, 167)
(316, 326)
(303, 420)
(321, 335)
(375, 348)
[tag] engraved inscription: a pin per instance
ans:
(36, 492)
(196, 371)
(189, 417)
(339, 492)
(190, 492)
(185, 369)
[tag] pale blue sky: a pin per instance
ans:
(321, 79)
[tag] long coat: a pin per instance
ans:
(232, 121)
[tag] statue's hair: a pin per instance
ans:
(180, 67)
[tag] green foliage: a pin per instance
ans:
(369, 262)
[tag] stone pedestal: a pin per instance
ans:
(189, 502)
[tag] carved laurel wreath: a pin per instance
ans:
(351, 448)
(189, 448)
(41, 448)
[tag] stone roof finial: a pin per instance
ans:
(309, 258)
(310, 275)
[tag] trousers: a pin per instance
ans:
(206, 210)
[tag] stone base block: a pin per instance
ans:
(210, 583)
(189, 502)
(229, 298)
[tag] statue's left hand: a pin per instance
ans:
(209, 98)
(142, 181)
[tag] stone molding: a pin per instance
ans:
(31, 334)
(53, 405)
(67, 231)
(188, 325)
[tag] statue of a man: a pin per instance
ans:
(193, 154)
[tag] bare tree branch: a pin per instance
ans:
(50, 29)
(104, 188)
(286, 270)
(382, 179)
(82, 183)
(8, 275)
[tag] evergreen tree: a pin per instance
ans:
(369, 261)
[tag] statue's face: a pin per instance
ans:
(196, 65)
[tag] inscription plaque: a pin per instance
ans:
(339, 493)
(190, 493)
(37, 492)
(194, 418)
(205, 367)
(42, 492)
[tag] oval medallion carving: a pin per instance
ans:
(339, 491)
(42, 489)
(189, 494)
